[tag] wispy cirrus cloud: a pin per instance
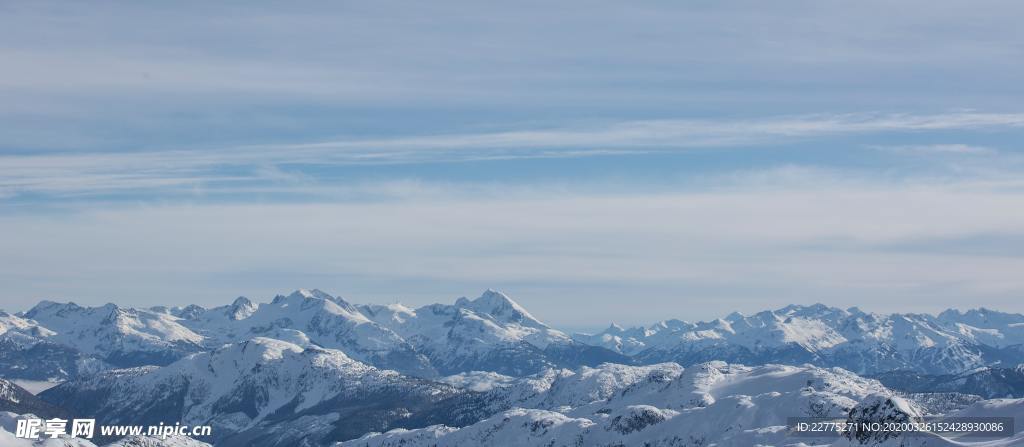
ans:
(119, 76)
(683, 133)
(961, 149)
(80, 173)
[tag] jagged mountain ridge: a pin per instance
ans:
(867, 343)
(120, 336)
(494, 333)
(312, 368)
(491, 332)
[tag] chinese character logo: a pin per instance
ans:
(83, 428)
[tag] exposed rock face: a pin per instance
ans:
(881, 409)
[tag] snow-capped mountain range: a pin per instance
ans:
(866, 343)
(310, 368)
(494, 333)
(491, 333)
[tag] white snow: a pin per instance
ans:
(944, 341)
(36, 386)
(711, 404)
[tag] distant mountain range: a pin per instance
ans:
(490, 333)
(866, 343)
(493, 333)
(311, 368)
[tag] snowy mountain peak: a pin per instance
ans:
(864, 342)
(310, 363)
(312, 293)
(492, 331)
(241, 308)
(811, 310)
(387, 314)
(190, 312)
(121, 336)
(672, 324)
(981, 317)
(734, 317)
(499, 306)
(317, 294)
(254, 351)
(9, 322)
(48, 307)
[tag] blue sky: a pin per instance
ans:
(598, 161)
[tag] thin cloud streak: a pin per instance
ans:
(687, 133)
(938, 149)
(98, 173)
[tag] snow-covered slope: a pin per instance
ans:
(120, 336)
(42, 360)
(563, 389)
(986, 326)
(826, 336)
(312, 368)
(999, 408)
(269, 392)
(710, 404)
(30, 351)
(16, 399)
(14, 324)
(251, 392)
